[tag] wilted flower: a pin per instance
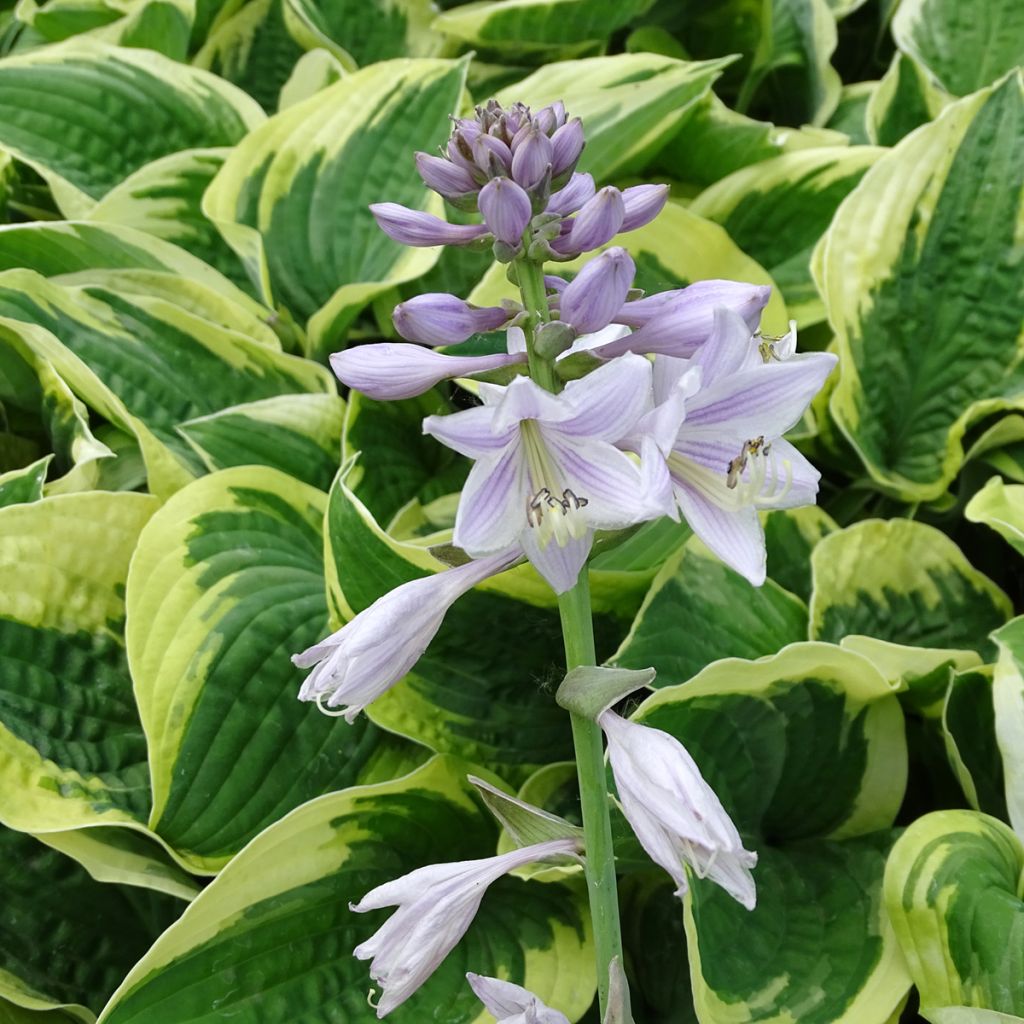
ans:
(381, 644)
(547, 473)
(729, 458)
(512, 1004)
(436, 904)
(675, 814)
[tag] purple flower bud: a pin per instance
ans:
(506, 210)
(414, 227)
(598, 291)
(390, 371)
(598, 222)
(550, 119)
(555, 284)
(492, 155)
(569, 199)
(442, 319)
(531, 158)
(643, 203)
(443, 176)
(566, 145)
(460, 149)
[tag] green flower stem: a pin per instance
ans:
(578, 636)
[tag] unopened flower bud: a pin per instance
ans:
(531, 158)
(566, 146)
(597, 223)
(492, 156)
(553, 338)
(642, 204)
(597, 293)
(442, 319)
(550, 119)
(444, 177)
(414, 227)
(506, 210)
(572, 196)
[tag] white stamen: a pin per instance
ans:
(552, 509)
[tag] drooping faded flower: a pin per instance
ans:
(436, 904)
(729, 458)
(512, 1004)
(675, 814)
(381, 644)
(547, 472)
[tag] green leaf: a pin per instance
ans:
(135, 360)
(904, 100)
(163, 199)
(904, 582)
(227, 583)
(630, 103)
(791, 62)
(969, 728)
(777, 210)
(292, 886)
(964, 46)
(807, 753)
(24, 485)
(527, 24)
(1008, 699)
(465, 695)
(849, 115)
(313, 72)
(86, 115)
(698, 611)
(362, 32)
(1002, 508)
(66, 940)
(714, 141)
(925, 247)
(952, 892)
(288, 203)
(297, 434)
(1001, 446)
(72, 750)
(790, 536)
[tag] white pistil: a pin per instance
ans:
(754, 475)
(552, 509)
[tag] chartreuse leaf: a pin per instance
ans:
(292, 886)
(136, 360)
(952, 890)
(227, 583)
(925, 247)
(527, 24)
(1001, 446)
(698, 610)
(397, 463)
(807, 753)
(675, 249)
(905, 582)
(163, 198)
(66, 940)
(1002, 508)
(298, 434)
(714, 141)
(630, 103)
(969, 729)
(904, 100)
(13, 1014)
(85, 115)
(1008, 700)
(790, 535)
(967, 1015)
(964, 47)
(313, 71)
(465, 695)
(288, 203)
(126, 259)
(362, 32)
(72, 751)
(777, 210)
(24, 485)
(791, 62)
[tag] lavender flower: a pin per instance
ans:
(436, 904)
(728, 458)
(388, 371)
(642, 203)
(547, 473)
(512, 1004)
(414, 227)
(675, 814)
(598, 291)
(381, 644)
(442, 319)
(599, 221)
(506, 210)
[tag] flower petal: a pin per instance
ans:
(569, 199)
(506, 209)
(389, 371)
(560, 565)
(525, 400)
(492, 509)
(414, 227)
(730, 348)
(470, 432)
(600, 288)
(606, 404)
